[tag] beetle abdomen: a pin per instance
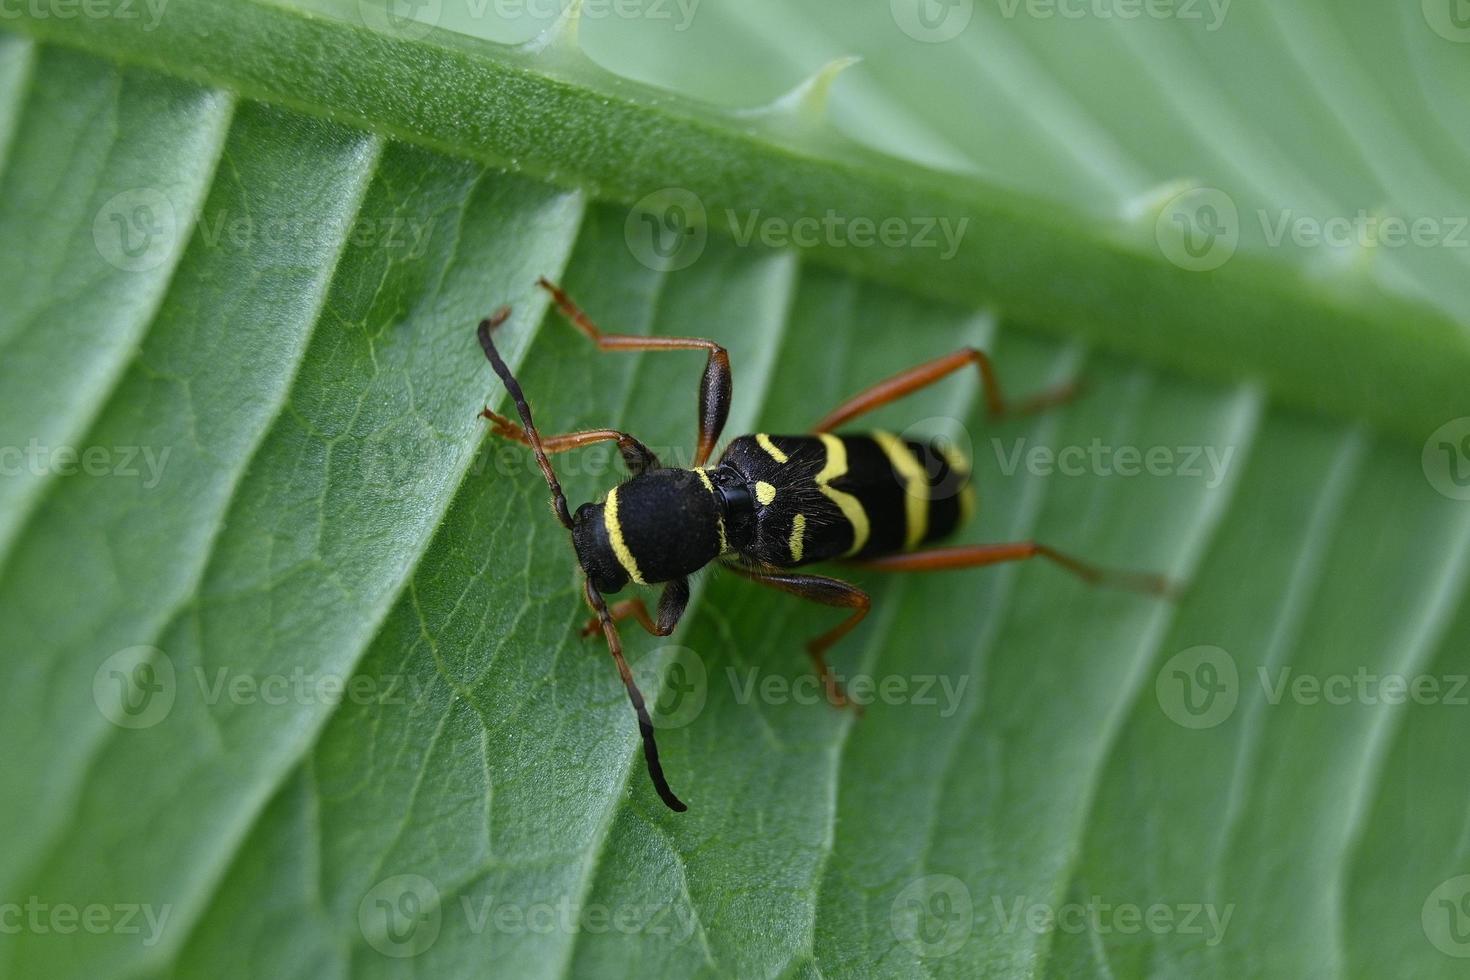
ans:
(849, 496)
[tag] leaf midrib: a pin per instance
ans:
(591, 128)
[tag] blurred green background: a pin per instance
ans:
(290, 682)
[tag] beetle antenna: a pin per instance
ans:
(558, 499)
(645, 723)
(594, 597)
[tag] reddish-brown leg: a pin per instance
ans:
(670, 609)
(620, 611)
(915, 378)
(714, 387)
(637, 456)
(971, 556)
(828, 592)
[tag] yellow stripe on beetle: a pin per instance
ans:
(798, 530)
(915, 485)
(719, 520)
(960, 466)
(771, 447)
(764, 492)
(615, 536)
(851, 507)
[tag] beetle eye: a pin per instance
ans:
(582, 513)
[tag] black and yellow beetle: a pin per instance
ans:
(769, 504)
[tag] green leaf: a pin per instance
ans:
(291, 680)
(1101, 270)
